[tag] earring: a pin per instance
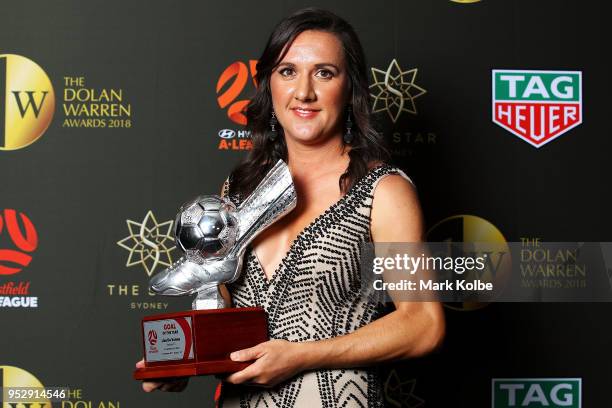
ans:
(273, 133)
(348, 136)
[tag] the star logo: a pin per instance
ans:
(394, 90)
(400, 393)
(149, 243)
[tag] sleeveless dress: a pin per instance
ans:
(315, 294)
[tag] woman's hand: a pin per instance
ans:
(168, 384)
(275, 361)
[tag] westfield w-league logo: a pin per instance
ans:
(24, 241)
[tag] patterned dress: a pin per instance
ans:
(315, 294)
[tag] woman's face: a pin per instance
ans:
(309, 88)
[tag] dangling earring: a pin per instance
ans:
(273, 133)
(348, 136)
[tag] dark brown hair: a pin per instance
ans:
(367, 146)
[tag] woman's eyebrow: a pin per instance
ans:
(327, 65)
(320, 65)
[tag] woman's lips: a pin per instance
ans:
(305, 113)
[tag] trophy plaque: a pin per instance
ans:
(214, 235)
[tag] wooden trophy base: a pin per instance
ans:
(199, 342)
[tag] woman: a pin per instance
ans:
(311, 109)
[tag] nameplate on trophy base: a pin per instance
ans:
(199, 342)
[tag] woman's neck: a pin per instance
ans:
(310, 161)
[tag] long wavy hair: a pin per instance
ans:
(367, 145)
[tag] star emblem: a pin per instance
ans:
(149, 243)
(394, 90)
(400, 393)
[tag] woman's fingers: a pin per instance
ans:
(148, 386)
(247, 354)
(245, 375)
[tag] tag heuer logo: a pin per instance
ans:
(537, 392)
(537, 106)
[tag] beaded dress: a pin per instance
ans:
(315, 294)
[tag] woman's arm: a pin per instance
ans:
(411, 330)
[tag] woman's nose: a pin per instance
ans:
(304, 90)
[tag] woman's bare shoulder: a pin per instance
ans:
(395, 187)
(396, 212)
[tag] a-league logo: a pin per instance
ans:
(27, 102)
(537, 106)
(230, 85)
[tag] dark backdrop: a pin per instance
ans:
(80, 185)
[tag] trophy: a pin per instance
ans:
(214, 235)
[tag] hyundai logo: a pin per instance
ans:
(227, 133)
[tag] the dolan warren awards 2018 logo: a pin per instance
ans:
(537, 106)
(537, 392)
(473, 230)
(27, 102)
(15, 377)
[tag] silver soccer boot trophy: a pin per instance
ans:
(214, 236)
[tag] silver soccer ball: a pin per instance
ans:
(206, 226)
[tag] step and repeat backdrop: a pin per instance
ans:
(113, 113)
